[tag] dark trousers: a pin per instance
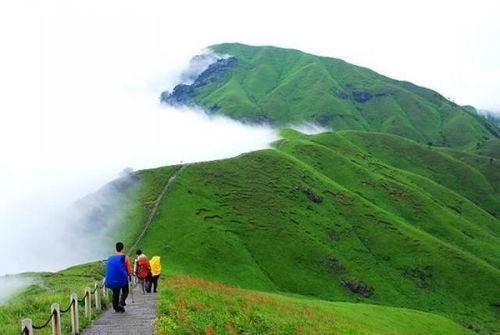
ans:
(119, 299)
(154, 283)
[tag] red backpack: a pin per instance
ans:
(142, 267)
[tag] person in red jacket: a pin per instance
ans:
(119, 300)
(142, 269)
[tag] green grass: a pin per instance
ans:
(136, 202)
(195, 306)
(413, 232)
(285, 86)
(35, 300)
(415, 225)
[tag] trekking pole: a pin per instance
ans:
(131, 289)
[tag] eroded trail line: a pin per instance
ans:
(136, 320)
(139, 315)
(157, 202)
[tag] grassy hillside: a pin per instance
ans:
(195, 306)
(350, 217)
(48, 288)
(284, 86)
(125, 222)
(342, 217)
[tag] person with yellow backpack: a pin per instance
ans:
(155, 266)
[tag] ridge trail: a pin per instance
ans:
(152, 214)
(137, 319)
(138, 316)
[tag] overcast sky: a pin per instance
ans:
(61, 57)
(63, 63)
(78, 79)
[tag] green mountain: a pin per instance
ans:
(284, 86)
(365, 229)
(389, 224)
(340, 216)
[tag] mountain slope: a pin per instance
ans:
(46, 288)
(284, 86)
(337, 217)
(212, 308)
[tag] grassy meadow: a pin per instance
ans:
(195, 306)
(35, 300)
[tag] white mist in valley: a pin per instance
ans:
(11, 284)
(80, 83)
(39, 225)
(87, 112)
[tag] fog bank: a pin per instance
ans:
(91, 124)
(10, 284)
(81, 80)
(38, 222)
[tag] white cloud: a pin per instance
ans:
(10, 285)
(80, 82)
(82, 103)
(38, 224)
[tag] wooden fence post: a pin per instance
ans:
(104, 288)
(56, 319)
(97, 296)
(27, 327)
(75, 324)
(88, 302)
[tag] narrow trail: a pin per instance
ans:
(136, 320)
(152, 214)
(139, 314)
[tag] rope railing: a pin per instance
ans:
(99, 291)
(67, 309)
(46, 322)
(95, 288)
(27, 327)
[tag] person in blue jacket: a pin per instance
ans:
(118, 271)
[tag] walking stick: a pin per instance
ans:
(131, 289)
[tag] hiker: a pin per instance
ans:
(118, 271)
(142, 269)
(155, 272)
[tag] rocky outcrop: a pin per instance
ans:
(183, 94)
(360, 96)
(215, 72)
(309, 193)
(335, 265)
(358, 286)
(341, 94)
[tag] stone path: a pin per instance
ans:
(135, 321)
(138, 314)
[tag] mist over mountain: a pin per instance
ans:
(65, 204)
(383, 193)
(346, 216)
(283, 86)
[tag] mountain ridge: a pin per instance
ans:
(286, 86)
(327, 216)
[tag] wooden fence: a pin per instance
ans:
(100, 291)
